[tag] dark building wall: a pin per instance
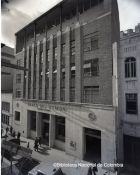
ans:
(101, 19)
(7, 55)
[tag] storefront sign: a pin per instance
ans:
(48, 107)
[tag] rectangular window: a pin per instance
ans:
(131, 104)
(90, 93)
(19, 62)
(17, 116)
(91, 67)
(90, 42)
(18, 78)
(6, 106)
(18, 93)
(72, 52)
(62, 94)
(72, 94)
(60, 128)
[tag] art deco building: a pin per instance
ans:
(68, 95)
(129, 94)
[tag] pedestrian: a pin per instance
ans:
(11, 130)
(14, 134)
(18, 135)
(36, 144)
(89, 171)
(7, 129)
(95, 170)
(28, 144)
(40, 141)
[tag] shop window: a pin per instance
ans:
(130, 67)
(5, 119)
(33, 120)
(91, 67)
(131, 104)
(90, 92)
(60, 128)
(17, 116)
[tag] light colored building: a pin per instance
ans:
(7, 109)
(69, 93)
(129, 96)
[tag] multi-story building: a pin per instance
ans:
(68, 95)
(7, 56)
(129, 93)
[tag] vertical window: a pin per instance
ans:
(60, 128)
(130, 67)
(72, 94)
(17, 116)
(18, 93)
(72, 52)
(18, 78)
(131, 104)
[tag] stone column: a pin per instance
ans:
(37, 70)
(58, 64)
(50, 67)
(51, 130)
(44, 69)
(32, 70)
(27, 74)
(38, 124)
(78, 63)
(67, 66)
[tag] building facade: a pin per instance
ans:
(68, 95)
(7, 56)
(130, 93)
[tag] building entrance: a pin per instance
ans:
(45, 128)
(132, 151)
(92, 145)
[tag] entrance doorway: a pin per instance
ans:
(132, 151)
(45, 128)
(92, 145)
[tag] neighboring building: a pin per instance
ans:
(7, 109)
(7, 56)
(68, 95)
(129, 89)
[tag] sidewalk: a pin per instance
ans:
(51, 156)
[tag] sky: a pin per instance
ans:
(18, 13)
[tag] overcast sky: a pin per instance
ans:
(17, 13)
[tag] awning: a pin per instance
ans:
(73, 68)
(55, 71)
(88, 65)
